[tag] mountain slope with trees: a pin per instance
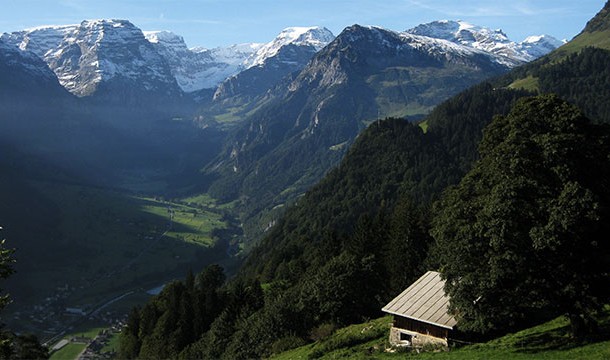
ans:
(348, 238)
(580, 77)
(391, 160)
(324, 278)
(288, 144)
(332, 259)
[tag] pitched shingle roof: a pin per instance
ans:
(425, 301)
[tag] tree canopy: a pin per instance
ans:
(524, 234)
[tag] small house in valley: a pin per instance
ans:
(420, 313)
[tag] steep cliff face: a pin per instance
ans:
(87, 56)
(24, 64)
(198, 68)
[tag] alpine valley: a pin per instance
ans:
(309, 164)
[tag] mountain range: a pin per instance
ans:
(94, 53)
(256, 126)
(199, 68)
(287, 109)
(85, 55)
(492, 41)
(369, 228)
(288, 52)
(303, 125)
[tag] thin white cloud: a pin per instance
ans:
(162, 19)
(485, 9)
(425, 6)
(530, 8)
(461, 11)
(73, 5)
(525, 9)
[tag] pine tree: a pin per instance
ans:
(406, 248)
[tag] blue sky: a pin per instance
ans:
(211, 23)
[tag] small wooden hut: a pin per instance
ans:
(420, 313)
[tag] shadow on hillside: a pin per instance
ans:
(561, 339)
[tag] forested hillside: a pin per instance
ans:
(581, 78)
(390, 161)
(365, 231)
(311, 284)
(393, 159)
(342, 250)
(113, 185)
(285, 146)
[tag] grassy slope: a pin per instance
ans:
(405, 91)
(68, 352)
(72, 350)
(595, 34)
(598, 39)
(550, 340)
(359, 340)
(529, 83)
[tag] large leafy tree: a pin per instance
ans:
(525, 233)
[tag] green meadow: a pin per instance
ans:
(68, 352)
(551, 340)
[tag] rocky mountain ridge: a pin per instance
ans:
(289, 52)
(488, 40)
(365, 73)
(315, 37)
(95, 52)
(28, 62)
(200, 68)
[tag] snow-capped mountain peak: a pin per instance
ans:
(233, 54)
(167, 42)
(289, 52)
(315, 37)
(163, 36)
(199, 68)
(482, 38)
(539, 45)
(544, 39)
(96, 51)
(40, 39)
(460, 32)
